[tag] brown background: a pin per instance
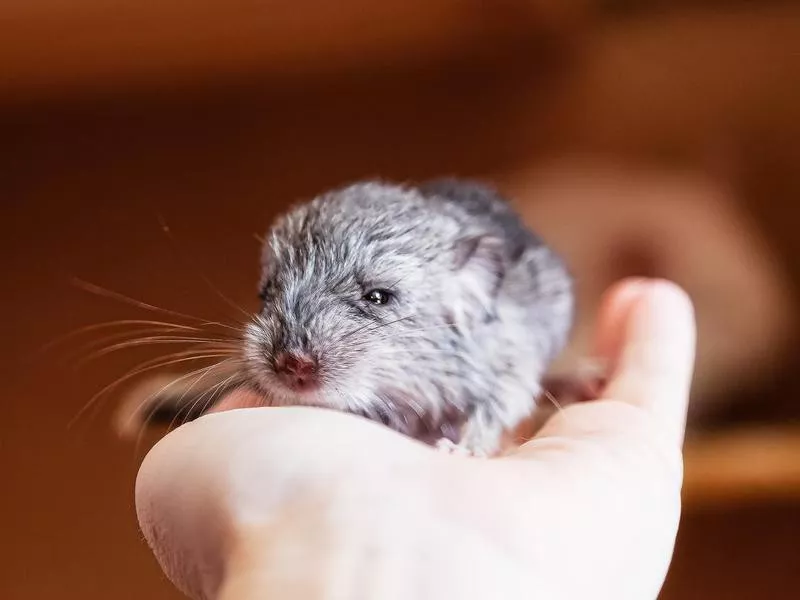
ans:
(108, 121)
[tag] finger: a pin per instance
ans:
(615, 308)
(646, 330)
(655, 363)
(613, 467)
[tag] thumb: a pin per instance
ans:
(653, 363)
(646, 336)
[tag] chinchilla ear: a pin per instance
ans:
(480, 266)
(481, 256)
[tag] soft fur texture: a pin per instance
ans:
(480, 307)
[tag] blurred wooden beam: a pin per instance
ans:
(49, 46)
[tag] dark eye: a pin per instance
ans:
(378, 296)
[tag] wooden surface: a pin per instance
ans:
(83, 184)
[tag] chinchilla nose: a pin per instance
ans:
(296, 364)
(296, 369)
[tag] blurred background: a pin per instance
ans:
(651, 138)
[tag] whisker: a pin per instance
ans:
(208, 343)
(141, 368)
(439, 361)
(152, 408)
(195, 382)
(422, 330)
(397, 335)
(370, 327)
(168, 232)
(210, 393)
(552, 399)
(163, 325)
(101, 291)
(403, 353)
(147, 402)
(132, 336)
(81, 349)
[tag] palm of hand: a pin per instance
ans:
(305, 504)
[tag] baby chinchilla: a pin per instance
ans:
(431, 309)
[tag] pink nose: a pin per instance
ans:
(296, 370)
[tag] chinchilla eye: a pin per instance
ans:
(378, 296)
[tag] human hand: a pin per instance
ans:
(303, 503)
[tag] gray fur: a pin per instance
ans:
(482, 306)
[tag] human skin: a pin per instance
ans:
(305, 504)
